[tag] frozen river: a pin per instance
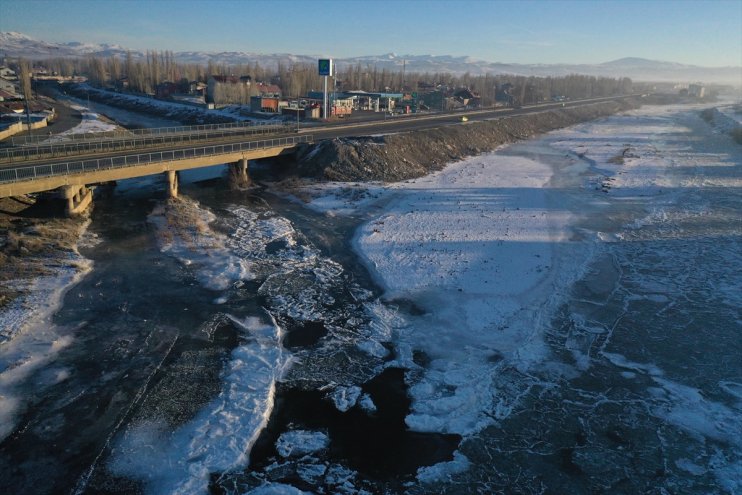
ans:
(560, 316)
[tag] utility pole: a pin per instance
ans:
(404, 73)
(324, 101)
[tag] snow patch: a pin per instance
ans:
(220, 437)
(215, 266)
(482, 249)
(301, 442)
(276, 489)
(443, 470)
(345, 398)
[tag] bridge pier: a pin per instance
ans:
(78, 198)
(172, 183)
(239, 175)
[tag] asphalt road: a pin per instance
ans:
(402, 123)
(66, 119)
(349, 128)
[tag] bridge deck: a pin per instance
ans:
(28, 179)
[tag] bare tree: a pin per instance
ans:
(25, 73)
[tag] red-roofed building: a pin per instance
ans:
(268, 90)
(6, 96)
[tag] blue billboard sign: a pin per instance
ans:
(325, 67)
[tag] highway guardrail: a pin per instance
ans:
(61, 148)
(17, 174)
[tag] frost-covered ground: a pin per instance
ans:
(734, 112)
(28, 339)
(561, 304)
(490, 248)
(483, 250)
(230, 111)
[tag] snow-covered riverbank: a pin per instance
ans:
(482, 255)
(561, 314)
(39, 263)
(482, 250)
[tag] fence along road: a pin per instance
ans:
(100, 142)
(20, 180)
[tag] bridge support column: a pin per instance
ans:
(78, 198)
(172, 183)
(239, 175)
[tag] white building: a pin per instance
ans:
(696, 90)
(8, 74)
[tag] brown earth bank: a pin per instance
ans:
(33, 242)
(404, 156)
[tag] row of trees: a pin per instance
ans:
(144, 74)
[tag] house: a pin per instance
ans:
(465, 96)
(6, 96)
(224, 90)
(268, 90)
(696, 90)
(432, 100)
(122, 84)
(264, 104)
(165, 89)
(197, 88)
(8, 73)
(9, 86)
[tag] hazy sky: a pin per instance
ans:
(707, 33)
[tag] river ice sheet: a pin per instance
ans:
(527, 280)
(569, 305)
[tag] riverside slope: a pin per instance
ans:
(396, 157)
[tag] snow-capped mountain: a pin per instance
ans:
(13, 44)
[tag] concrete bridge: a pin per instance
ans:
(73, 177)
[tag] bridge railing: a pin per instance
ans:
(153, 131)
(18, 174)
(52, 150)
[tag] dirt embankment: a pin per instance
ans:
(33, 243)
(724, 122)
(408, 155)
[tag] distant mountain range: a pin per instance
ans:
(14, 44)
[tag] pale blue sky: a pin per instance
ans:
(706, 33)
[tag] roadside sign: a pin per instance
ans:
(325, 67)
